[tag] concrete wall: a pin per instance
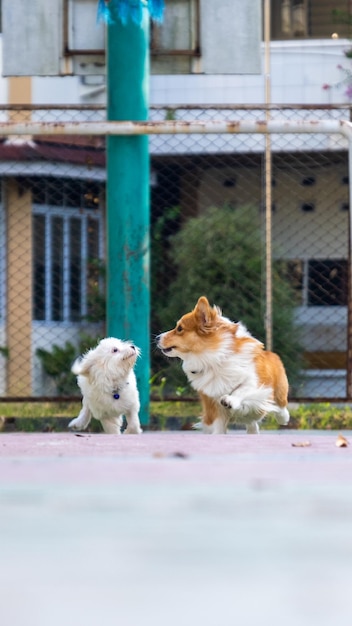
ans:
(299, 69)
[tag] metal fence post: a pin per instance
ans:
(268, 193)
(128, 195)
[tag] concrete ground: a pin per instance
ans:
(175, 528)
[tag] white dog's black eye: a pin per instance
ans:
(115, 350)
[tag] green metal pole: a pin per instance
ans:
(128, 294)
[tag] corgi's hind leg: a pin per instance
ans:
(219, 426)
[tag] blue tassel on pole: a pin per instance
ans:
(103, 12)
(110, 10)
(156, 9)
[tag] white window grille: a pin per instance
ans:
(67, 244)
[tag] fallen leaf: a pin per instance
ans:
(341, 442)
(301, 444)
(175, 455)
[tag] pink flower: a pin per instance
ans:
(326, 86)
(348, 92)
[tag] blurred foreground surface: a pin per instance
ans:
(175, 528)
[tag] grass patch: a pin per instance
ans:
(317, 416)
(37, 410)
(322, 416)
(55, 416)
(175, 415)
(37, 416)
(165, 415)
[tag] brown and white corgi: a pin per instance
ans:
(238, 381)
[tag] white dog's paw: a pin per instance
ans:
(133, 429)
(229, 402)
(77, 424)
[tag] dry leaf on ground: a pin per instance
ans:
(301, 444)
(175, 455)
(341, 442)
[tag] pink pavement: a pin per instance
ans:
(235, 458)
(175, 528)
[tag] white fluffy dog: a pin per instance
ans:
(108, 384)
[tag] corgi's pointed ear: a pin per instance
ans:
(204, 312)
(203, 302)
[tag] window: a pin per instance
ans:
(67, 246)
(327, 282)
(178, 34)
(316, 282)
(175, 43)
(294, 19)
(289, 19)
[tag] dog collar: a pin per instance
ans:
(116, 392)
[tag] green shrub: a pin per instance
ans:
(96, 298)
(58, 361)
(220, 255)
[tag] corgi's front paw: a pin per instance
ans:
(229, 402)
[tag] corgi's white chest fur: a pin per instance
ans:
(220, 372)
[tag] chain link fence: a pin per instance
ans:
(208, 237)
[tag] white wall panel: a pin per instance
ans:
(32, 37)
(230, 36)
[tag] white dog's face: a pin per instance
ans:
(112, 357)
